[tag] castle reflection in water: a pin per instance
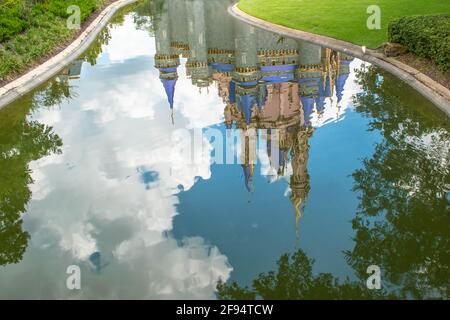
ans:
(265, 81)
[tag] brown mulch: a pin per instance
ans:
(61, 47)
(427, 67)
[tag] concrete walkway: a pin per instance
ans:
(436, 93)
(433, 91)
(51, 67)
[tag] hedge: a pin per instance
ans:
(425, 36)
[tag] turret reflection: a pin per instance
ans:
(265, 81)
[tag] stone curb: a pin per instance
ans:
(430, 89)
(51, 67)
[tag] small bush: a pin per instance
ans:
(425, 36)
(59, 7)
(32, 29)
(13, 19)
(17, 16)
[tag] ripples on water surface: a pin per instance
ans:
(90, 173)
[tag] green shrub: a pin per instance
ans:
(18, 15)
(32, 29)
(13, 19)
(425, 36)
(59, 7)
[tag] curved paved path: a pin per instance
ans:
(51, 67)
(433, 91)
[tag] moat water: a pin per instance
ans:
(93, 176)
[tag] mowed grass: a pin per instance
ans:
(341, 19)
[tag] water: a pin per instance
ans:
(92, 174)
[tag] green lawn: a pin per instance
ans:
(340, 19)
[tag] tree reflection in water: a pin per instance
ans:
(22, 141)
(403, 220)
(402, 223)
(294, 280)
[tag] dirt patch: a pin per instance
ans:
(427, 67)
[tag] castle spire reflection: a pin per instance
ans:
(166, 59)
(264, 80)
